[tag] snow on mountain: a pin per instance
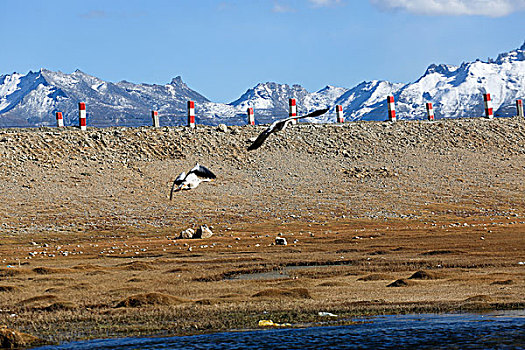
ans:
(33, 99)
(323, 98)
(365, 101)
(456, 91)
(270, 100)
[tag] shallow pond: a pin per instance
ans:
(496, 330)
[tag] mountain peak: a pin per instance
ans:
(177, 81)
(454, 90)
(515, 55)
(444, 69)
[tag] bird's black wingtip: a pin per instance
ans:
(316, 113)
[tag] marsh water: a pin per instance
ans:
(495, 330)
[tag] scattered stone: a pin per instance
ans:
(203, 232)
(368, 172)
(187, 234)
(280, 241)
(222, 128)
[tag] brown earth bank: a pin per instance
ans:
(380, 218)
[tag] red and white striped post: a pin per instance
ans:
(155, 119)
(191, 114)
(489, 111)
(430, 111)
(82, 116)
(519, 108)
(293, 109)
(60, 119)
(339, 114)
(391, 108)
(251, 116)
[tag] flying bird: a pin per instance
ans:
(279, 125)
(195, 176)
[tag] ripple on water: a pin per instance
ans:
(501, 330)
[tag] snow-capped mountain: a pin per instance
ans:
(33, 99)
(366, 100)
(270, 100)
(456, 91)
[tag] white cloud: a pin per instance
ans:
(325, 3)
(491, 8)
(280, 8)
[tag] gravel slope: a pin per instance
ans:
(62, 180)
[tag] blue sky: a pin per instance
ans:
(222, 48)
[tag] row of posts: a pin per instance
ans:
(489, 112)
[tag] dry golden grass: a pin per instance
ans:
(186, 292)
(95, 256)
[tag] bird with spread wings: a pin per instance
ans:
(195, 176)
(279, 125)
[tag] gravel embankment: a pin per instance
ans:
(67, 179)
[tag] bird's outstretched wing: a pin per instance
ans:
(202, 172)
(260, 139)
(178, 181)
(311, 115)
(279, 125)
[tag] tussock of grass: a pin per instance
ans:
(11, 272)
(5, 288)
(138, 266)
(60, 305)
(401, 283)
(277, 293)
(479, 299)
(442, 252)
(38, 300)
(150, 299)
(504, 282)
(88, 267)
(332, 284)
(51, 270)
(375, 277)
(425, 275)
(12, 339)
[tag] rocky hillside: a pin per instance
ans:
(62, 178)
(47, 146)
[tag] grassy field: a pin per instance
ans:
(379, 219)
